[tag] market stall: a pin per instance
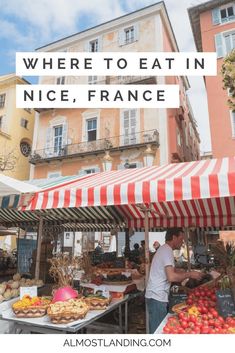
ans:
(198, 194)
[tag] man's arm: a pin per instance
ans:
(175, 276)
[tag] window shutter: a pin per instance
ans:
(233, 124)
(219, 45)
(64, 134)
(49, 138)
(121, 37)
(136, 32)
(216, 19)
(100, 43)
(86, 46)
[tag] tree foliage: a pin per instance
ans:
(228, 72)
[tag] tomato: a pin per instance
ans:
(205, 330)
(189, 301)
(213, 297)
(214, 313)
(192, 318)
(180, 330)
(220, 319)
(210, 316)
(184, 323)
(166, 329)
(204, 310)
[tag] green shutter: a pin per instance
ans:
(219, 45)
(216, 19)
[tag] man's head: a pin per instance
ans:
(175, 237)
(136, 246)
(156, 245)
(142, 243)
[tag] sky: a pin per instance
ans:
(27, 25)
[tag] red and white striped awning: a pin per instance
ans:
(190, 194)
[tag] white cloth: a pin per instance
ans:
(158, 285)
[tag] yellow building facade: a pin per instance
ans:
(16, 130)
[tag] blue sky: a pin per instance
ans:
(29, 24)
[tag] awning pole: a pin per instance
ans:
(146, 237)
(18, 247)
(74, 238)
(39, 242)
(187, 245)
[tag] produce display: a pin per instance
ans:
(67, 311)
(111, 276)
(97, 302)
(10, 289)
(199, 315)
(29, 307)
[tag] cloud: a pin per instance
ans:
(29, 24)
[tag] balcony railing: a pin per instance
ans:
(115, 143)
(131, 79)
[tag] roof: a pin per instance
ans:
(190, 194)
(105, 23)
(12, 77)
(194, 16)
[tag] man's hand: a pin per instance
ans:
(196, 275)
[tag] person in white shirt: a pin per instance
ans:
(162, 273)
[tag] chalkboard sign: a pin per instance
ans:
(225, 303)
(176, 298)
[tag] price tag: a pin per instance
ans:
(31, 291)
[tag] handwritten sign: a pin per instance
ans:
(31, 291)
(225, 303)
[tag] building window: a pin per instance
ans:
(2, 100)
(25, 148)
(24, 123)
(233, 124)
(129, 127)
(129, 35)
(58, 138)
(91, 129)
(92, 80)
(89, 171)
(54, 175)
(229, 42)
(223, 14)
(1, 122)
(94, 45)
(60, 80)
(227, 14)
(178, 138)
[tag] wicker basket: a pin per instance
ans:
(96, 303)
(65, 312)
(31, 311)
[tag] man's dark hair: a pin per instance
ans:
(173, 231)
(136, 246)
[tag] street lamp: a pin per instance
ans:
(107, 162)
(148, 156)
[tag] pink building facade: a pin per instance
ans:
(213, 25)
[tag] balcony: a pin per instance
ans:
(115, 80)
(116, 143)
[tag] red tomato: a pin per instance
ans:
(166, 329)
(205, 330)
(189, 301)
(184, 323)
